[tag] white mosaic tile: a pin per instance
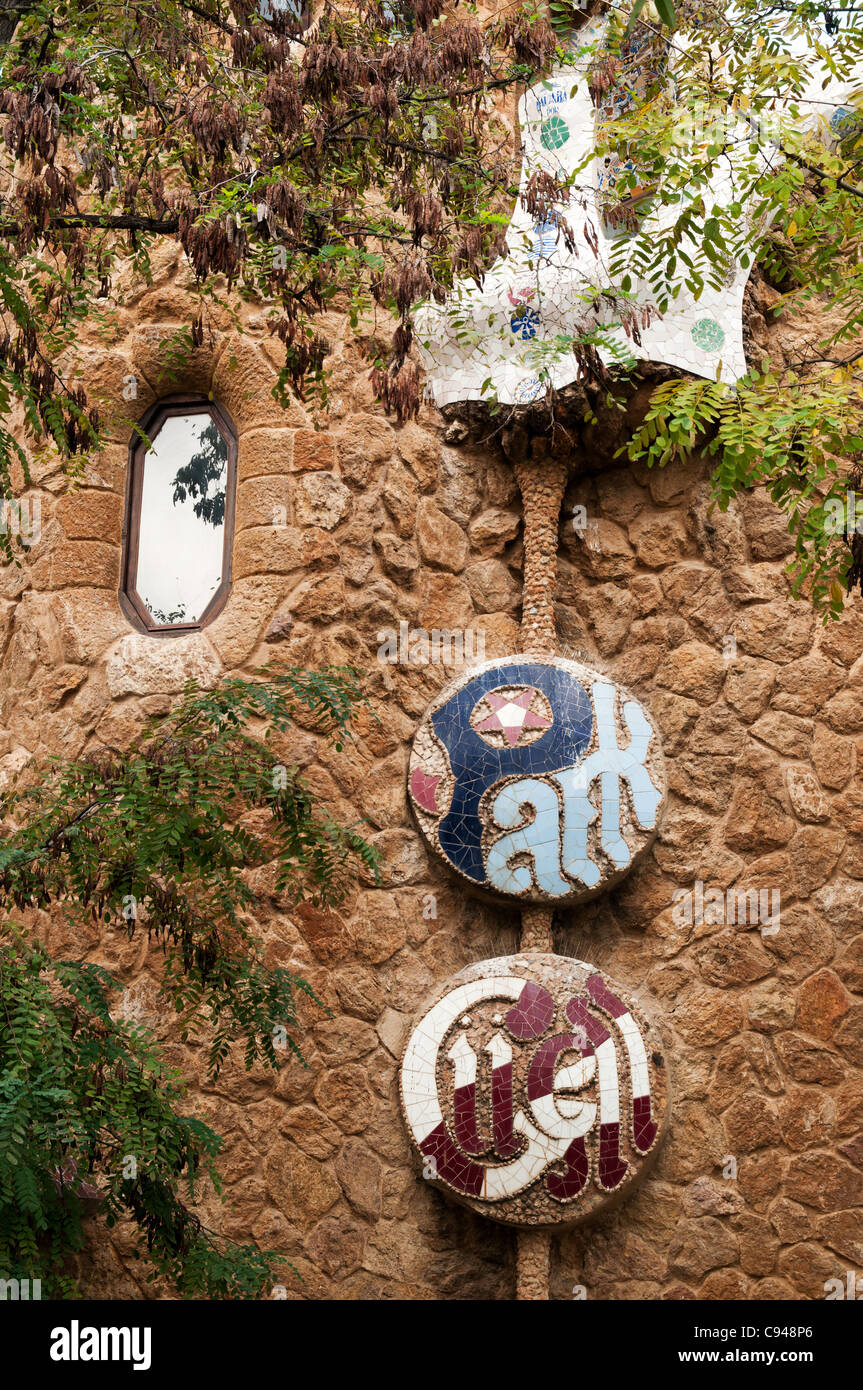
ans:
(498, 340)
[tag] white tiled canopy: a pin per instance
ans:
(499, 341)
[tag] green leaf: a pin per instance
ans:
(637, 7)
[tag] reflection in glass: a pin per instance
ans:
(182, 519)
(296, 9)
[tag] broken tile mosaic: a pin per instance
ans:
(475, 346)
(536, 778)
(533, 1089)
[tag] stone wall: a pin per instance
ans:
(762, 721)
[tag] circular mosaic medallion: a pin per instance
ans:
(844, 120)
(554, 133)
(533, 1089)
(527, 390)
(524, 322)
(537, 778)
(708, 335)
(545, 238)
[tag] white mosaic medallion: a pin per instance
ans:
(534, 1090)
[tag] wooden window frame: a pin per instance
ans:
(131, 603)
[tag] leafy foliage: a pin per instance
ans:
(794, 438)
(348, 162)
(84, 1097)
(207, 465)
(360, 160)
(793, 425)
(664, 13)
(165, 839)
(163, 836)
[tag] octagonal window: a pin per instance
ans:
(180, 514)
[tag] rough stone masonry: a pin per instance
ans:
(758, 1190)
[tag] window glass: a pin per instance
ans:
(178, 555)
(298, 10)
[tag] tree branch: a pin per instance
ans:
(820, 173)
(123, 222)
(10, 13)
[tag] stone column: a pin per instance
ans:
(542, 483)
(536, 932)
(534, 1266)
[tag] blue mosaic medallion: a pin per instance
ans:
(524, 322)
(545, 234)
(844, 121)
(527, 390)
(538, 779)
